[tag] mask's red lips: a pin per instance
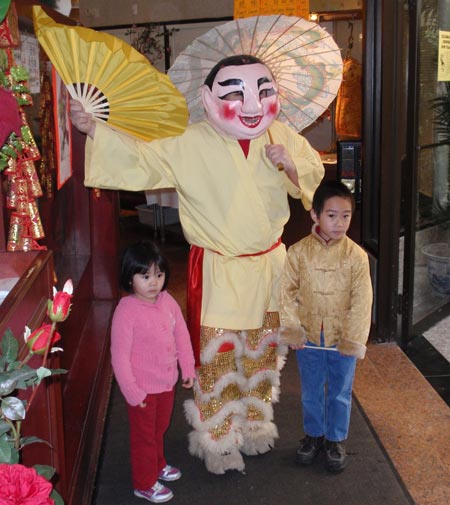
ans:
(250, 122)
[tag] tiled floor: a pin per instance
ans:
(410, 419)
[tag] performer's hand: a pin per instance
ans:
(142, 405)
(280, 157)
(188, 383)
(82, 120)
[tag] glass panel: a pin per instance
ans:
(432, 230)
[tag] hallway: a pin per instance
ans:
(398, 443)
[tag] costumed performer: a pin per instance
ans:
(233, 205)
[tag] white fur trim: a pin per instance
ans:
(220, 385)
(259, 437)
(272, 375)
(209, 352)
(265, 408)
(192, 415)
(220, 463)
(201, 443)
(267, 337)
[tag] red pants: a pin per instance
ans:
(147, 428)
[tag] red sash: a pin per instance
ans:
(194, 292)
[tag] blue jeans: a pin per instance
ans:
(327, 380)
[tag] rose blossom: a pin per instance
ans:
(37, 341)
(20, 485)
(59, 308)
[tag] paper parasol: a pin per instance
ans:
(303, 57)
(112, 80)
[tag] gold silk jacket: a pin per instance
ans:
(329, 284)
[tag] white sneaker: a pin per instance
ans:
(156, 494)
(169, 473)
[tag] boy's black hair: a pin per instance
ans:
(235, 60)
(137, 259)
(327, 190)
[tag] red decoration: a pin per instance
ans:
(10, 120)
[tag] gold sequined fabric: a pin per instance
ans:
(210, 373)
(211, 407)
(225, 378)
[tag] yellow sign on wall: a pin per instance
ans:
(444, 56)
(248, 8)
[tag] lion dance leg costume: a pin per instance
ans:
(238, 380)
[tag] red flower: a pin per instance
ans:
(59, 308)
(37, 341)
(20, 485)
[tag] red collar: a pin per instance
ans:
(245, 144)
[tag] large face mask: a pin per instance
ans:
(243, 102)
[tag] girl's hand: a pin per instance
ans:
(188, 383)
(142, 405)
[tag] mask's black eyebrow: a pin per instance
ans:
(232, 82)
(263, 80)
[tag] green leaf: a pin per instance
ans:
(13, 408)
(5, 451)
(56, 371)
(15, 457)
(7, 387)
(56, 498)
(32, 440)
(24, 373)
(45, 471)
(4, 427)
(23, 377)
(10, 346)
(19, 73)
(42, 373)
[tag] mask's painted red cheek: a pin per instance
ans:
(228, 111)
(273, 109)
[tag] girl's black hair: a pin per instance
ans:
(327, 190)
(235, 60)
(137, 259)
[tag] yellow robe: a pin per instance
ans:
(227, 203)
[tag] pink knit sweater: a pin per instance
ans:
(148, 342)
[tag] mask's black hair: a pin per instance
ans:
(235, 60)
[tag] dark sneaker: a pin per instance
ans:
(336, 456)
(308, 449)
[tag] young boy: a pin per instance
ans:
(326, 300)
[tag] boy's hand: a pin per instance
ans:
(188, 383)
(82, 120)
(297, 347)
(293, 336)
(142, 405)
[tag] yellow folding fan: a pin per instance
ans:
(113, 81)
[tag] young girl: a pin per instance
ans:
(149, 339)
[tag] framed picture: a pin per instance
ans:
(63, 132)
